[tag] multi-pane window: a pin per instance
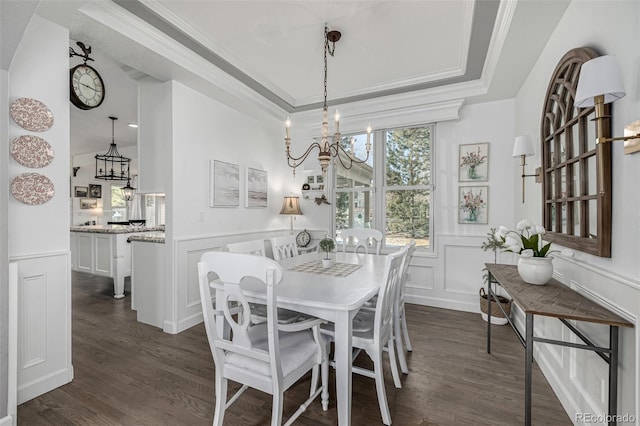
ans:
(118, 204)
(390, 192)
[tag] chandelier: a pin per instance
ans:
(326, 150)
(112, 165)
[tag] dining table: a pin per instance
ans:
(334, 294)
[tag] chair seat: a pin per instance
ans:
(285, 316)
(295, 349)
(362, 325)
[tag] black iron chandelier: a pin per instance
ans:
(112, 165)
(326, 150)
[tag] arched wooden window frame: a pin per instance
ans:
(576, 214)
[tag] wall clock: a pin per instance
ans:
(303, 239)
(87, 87)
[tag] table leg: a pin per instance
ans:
(613, 373)
(489, 297)
(528, 363)
(342, 357)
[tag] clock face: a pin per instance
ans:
(303, 239)
(87, 87)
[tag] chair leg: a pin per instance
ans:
(407, 342)
(276, 409)
(394, 363)
(382, 394)
(314, 380)
(324, 371)
(221, 400)
(399, 345)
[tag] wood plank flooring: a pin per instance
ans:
(128, 373)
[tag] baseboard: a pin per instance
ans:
(45, 384)
(189, 322)
(7, 421)
(454, 305)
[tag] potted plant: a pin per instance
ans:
(326, 245)
(494, 243)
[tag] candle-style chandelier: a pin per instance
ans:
(112, 165)
(327, 150)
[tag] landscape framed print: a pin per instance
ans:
(257, 187)
(224, 184)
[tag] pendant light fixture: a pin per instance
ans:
(326, 150)
(127, 191)
(112, 165)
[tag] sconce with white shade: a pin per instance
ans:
(600, 83)
(523, 147)
(291, 206)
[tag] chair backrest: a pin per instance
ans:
(254, 247)
(383, 320)
(284, 247)
(361, 237)
(233, 269)
(411, 248)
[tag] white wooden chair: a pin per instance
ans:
(255, 247)
(401, 332)
(259, 311)
(372, 331)
(284, 247)
(367, 238)
(270, 357)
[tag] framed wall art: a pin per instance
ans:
(88, 203)
(81, 191)
(473, 162)
(256, 188)
(95, 191)
(473, 204)
(224, 184)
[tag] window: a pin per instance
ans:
(392, 190)
(118, 204)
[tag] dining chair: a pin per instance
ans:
(372, 331)
(284, 247)
(255, 247)
(258, 310)
(361, 237)
(401, 332)
(270, 357)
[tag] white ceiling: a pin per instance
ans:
(275, 47)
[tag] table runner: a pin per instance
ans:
(337, 270)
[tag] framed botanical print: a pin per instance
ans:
(473, 204)
(473, 162)
(224, 184)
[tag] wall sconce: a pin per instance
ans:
(523, 147)
(600, 83)
(291, 206)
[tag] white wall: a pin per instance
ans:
(4, 255)
(39, 235)
(576, 376)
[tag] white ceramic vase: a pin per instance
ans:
(535, 270)
(327, 263)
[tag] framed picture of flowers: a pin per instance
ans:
(473, 162)
(473, 205)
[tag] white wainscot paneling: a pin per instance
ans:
(33, 320)
(463, 266)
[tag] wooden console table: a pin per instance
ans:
(558, 301)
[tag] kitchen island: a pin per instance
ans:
(104, 250)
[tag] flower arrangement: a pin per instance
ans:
(326, 245)
(473, 159)
(526, 241)
(472, 203)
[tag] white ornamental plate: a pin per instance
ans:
(31, 114)
(31, 151)
(32, 188)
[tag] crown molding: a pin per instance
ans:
(506, 12)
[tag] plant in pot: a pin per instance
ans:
(534, 264)
(326, 245)
(494, 243)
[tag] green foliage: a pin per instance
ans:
(326, 245)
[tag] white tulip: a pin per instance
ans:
(526, 253)
(524, 224)
(539, 229)
(513, 242)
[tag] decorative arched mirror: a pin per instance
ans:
(576, 206)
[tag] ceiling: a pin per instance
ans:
(275, 47)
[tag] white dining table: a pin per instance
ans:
(335, 299)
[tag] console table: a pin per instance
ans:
(558, 301)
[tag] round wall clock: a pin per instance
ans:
(303, 239)
(87, 87)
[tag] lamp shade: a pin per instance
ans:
(291, 205)
(599, 76)
(523, 146)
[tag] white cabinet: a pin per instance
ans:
(104, 254)
(148, 283)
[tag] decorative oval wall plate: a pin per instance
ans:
(32, 188)
(31, 151)
(31, 114)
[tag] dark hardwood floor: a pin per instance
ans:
(128, 373)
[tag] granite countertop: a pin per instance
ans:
(148, 237)
(115, 229)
